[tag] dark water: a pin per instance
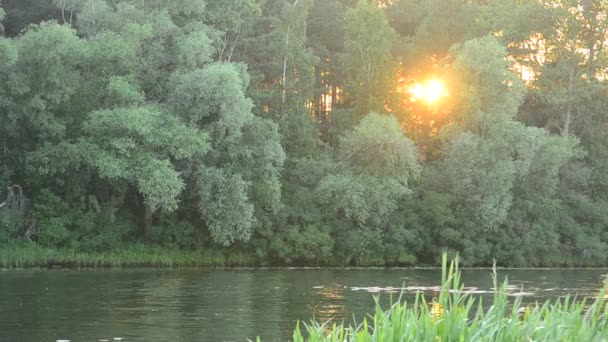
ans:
(230, 305)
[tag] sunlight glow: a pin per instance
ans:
(431, 91)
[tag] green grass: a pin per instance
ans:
(465, 319)
(25, 254)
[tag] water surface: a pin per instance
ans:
(224, 305)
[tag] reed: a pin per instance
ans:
(26, 254)
(457, 316)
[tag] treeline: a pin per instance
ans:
(286, 129)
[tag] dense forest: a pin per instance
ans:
(301, 132)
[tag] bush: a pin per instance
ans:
(176, 234)
(54, 218)
(97, 234)
(302, 244)
(11, 223)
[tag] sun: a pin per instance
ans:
(431, 91)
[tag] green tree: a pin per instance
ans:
(22, 13)
(128, 147)
(369, 67)
(230, 21)
(325, 31)
(427, 30)
(245, 150)
(375, 163)
(2, 16)
(279, 61)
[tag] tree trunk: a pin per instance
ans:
(31, 230)
(285, 59)
(15, 199)
(568, 118)
(285, 65)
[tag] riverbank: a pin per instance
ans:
(29, 255)
(24, 254)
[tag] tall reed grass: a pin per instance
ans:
(27, 254)
(458, 316)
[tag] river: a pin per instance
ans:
(225, 305)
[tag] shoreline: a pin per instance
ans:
(23, 257)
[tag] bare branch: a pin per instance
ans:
(15, 199)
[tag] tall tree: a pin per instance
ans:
(2, 16)
(230, 21)
(487, 152)
(369, 67)
(240, 173)
(375, 165)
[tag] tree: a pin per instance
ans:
(245, 125)
(2, 16)
(326, 24)
(239, 175)
(8, 58)
(43, 84)
(533, 222)
(279, 62)
(229, 20)
(22, 13)
(129, 147)
(369, 67)
(479, 160)
(68, 9)
(560, 47)
(375, 164)
(429, 29)
(486, 95)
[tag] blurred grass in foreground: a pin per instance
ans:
(457, 316)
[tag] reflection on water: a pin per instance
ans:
(330, 307)
(231, 305)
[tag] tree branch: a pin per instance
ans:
(15, 199)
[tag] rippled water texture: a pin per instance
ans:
(227, 305)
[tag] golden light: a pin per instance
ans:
(431, 91)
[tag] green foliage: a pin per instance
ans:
(54, 220)
(95, 233)
(378, 147)
(11, 223)
(22, 13)
(376, 161)
(243, 126)
(228, 19)
(298, 216)
(212, 95)
(491, 163)
(132, 146)
(224, 205)
(460, 317)
(172, 233)
(194, 49)
(303, 244)
(368, 64)
(20, 254)
(43, 84)
(486, 94)
(2, 16)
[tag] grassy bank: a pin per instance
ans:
(456, 316)
(23, 255)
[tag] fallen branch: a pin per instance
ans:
(31, 231)
(15, 199)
